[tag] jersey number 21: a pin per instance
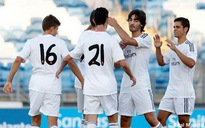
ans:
(98, 49)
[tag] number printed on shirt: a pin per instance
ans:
(48, 54)
(99, 49)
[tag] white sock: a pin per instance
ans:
(113, 125)
(159, 125)
(82, 123)
(91, 125)
(34, 127)
(84, 126)
(54, 126)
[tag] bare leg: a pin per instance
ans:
(113, 120)
(151, 119)
(52, 121)
(36, 120)
(162, 116)
(184, 121)
(125, 121)
(92, 120)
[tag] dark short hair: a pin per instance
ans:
(184, 22)
(50, 21)
(92, 18)
(100, 15)
(140, 15)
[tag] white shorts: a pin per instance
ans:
(139, 102)
(96, 104)
(48, 104)
(178, 106)
(80, 99)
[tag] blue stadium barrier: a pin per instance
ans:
(70, 118)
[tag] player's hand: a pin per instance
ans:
(58, 73)
(112, 21)
(122, 44)
(170, 44)
(157, 41)
(133, 80)
(8, 88)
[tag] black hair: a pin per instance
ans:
(184, 22)
(100, 15)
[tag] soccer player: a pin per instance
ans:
(100, 88)
(45, 53)
(137, 50)
(77, 85)
(179, 97)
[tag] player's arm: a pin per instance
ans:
(63, 64)
(127, 70)
(123, 35)
(8, 85)
(158, 44)
(74, 68)
(117, 65)
(186, 60)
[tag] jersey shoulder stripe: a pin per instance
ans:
(144, 35)
(191, 46)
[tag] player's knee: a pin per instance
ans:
(152, 120)
(161, 119)
(125, 121)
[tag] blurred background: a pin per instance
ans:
(21, 20)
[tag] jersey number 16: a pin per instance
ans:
(48, 54)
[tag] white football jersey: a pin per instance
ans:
(45, 53)
(180, 76)
(100, 51)
(138, 60)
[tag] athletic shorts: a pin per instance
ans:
(178, 106)
(80, 99)
(96, 104)
(139, 102)
(48, 104)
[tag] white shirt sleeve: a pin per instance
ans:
(77, 52)
(25, 52)
(64, 50)
(117, 52)
(166, 57)
(144, 41)
(192, 52)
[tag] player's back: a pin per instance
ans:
(101, 51)
(45, 53)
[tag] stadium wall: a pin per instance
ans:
(70, 118)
